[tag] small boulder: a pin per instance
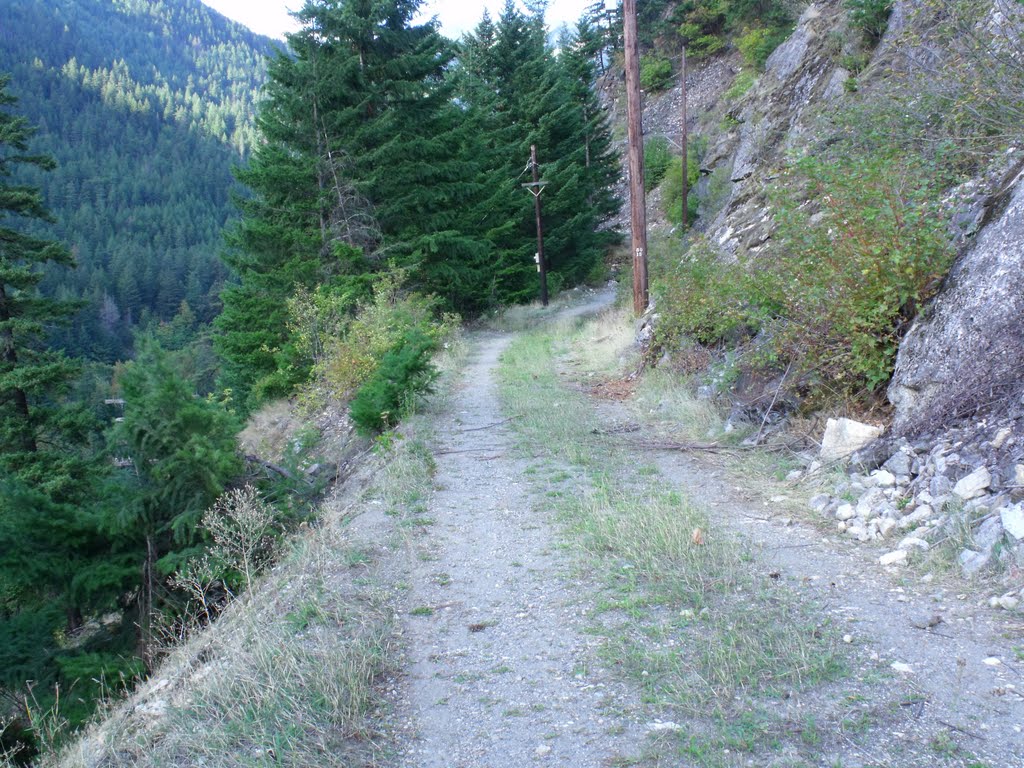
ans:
(974, 484)
(894, 557)
(846, 512)
(844, 437)
(883, 478)
(1012, 519)
(972, 561)
(899, 464)
(820, 502)
(912, 542)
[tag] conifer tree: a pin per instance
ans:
(39, 432)
(366, 158)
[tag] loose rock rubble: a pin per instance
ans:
(966, 485)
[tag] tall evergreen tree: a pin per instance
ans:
(38, 431)
(366, 157)
(530, 95)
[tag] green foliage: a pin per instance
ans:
(850, 281)
(657, 159)
(760, 26)
(655, 73)
(871, 17)
(703, 298)
(705, 46)
(404, 373)
(377, 327)
(183, 451)
(757, 43)
(672, 185)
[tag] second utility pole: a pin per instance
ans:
(637, 200)
(537, 188)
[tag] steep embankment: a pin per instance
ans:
(931, 98)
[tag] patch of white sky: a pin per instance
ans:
(271, 17)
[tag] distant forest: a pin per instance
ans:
(145, 106)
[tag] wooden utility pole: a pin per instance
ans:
(686, 159)
(536, 188)
(637, 200)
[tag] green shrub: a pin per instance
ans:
(703, 298)
(757, 43)
(404, 373)
(655, 73)
(704, 46)
(672, 185)
(657, 158)
(871, 17)
(849, 280)
(355, 348)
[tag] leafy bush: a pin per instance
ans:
(871, 17)
(850, 279)
(704, 46)
(403, 374)
(757, 43)
(844, 277)
(702, 298)
(657, 159)
(655, 73)
(356, 348)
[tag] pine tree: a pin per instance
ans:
(183, 451)
(366, 157)
(38, 430)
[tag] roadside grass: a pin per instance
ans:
(288, 676)
(682, 609)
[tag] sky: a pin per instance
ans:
(270, 17)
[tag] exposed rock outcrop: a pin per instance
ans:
(966, 351)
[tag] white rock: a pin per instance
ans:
(1013, 520)
(912, 542)
(858, 532)
(919, 515)
(846, 512)
(883, 479)
(974, 484)
(1006, 602)
(899, 666)
(885, 526)
(845, 436)
(1001, 436)
(658, 726)
(847, 639)
(894, 557)
(1018, 475)
(542, 751)
(820, 502)
(992, 661)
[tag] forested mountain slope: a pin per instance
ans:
(145, 106)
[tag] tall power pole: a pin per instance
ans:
(686, 158)
(637, 200)
(536, 188)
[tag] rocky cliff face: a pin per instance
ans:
(773, 120)
(965, 352)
